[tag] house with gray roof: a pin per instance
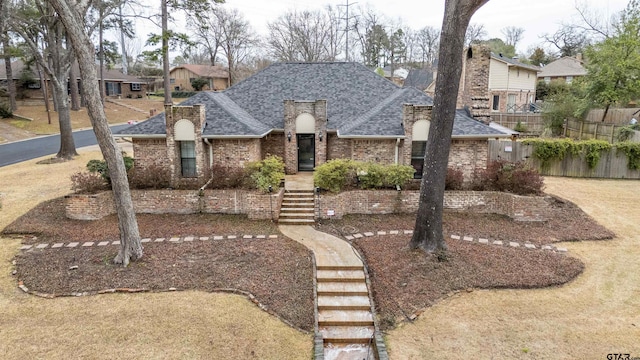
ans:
(306, 113)
(564, 69)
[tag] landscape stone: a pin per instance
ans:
(382, 233)
(103, 243)
(231, 237)
(514, 244)
(455, 237)
(145, 240)
(72, 244)
(188, 238)
(483, 241)
(25, 247)
(117, 242)
(562, 249)
(174, 239)
(247, 236)
(273, 236)
(529, 246)
(497, 242)
(349, 237)
(218, 237)
(467, 238)
(158, 240)
(261, 237)
(204, 238)
(357, 236)
(41, 246)
(87, 243)
(408, 232)
(57, 245)
(368, 234)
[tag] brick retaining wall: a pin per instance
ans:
(519, 208)
(255, 204)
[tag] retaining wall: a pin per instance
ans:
(254, 204)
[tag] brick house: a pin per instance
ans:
(181, 76)
(116, 83)
(306, 113)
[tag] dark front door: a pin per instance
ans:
(306, 152)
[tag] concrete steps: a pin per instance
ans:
(298, 208)
(345, 320)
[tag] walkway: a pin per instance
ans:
(344, 316)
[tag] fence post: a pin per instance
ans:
(581, 128)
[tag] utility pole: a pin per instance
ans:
(346, 30)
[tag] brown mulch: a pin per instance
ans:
(279, 271)
(567, 222)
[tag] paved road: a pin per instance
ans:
(18, 151)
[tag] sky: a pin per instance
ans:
(535, 16)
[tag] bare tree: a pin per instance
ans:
(303, 36)
(512, 35)
(229, 33)
(6, 53)
(428, 39)
(475, 32)
(44, 36)
(428, 229)
(569, 40)
(72, 14)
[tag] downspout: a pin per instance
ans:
(397, 150)
(206, 141)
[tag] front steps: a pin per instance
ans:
(298, 208)
(345, 319)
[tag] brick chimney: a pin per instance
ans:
(474, 82)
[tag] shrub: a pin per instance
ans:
(548, 150)
(88, 183)
(5, 110)
(398, 175)
(198, 83)
(227, 177)
(100, 166)
(626, 132)
(454, 179)
(268, 172)
(335, 174)
(150, 177)
(520, 127)
(632, 150)
(371, 175)
(500, 175)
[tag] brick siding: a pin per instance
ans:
(519, 208)
(254, 204)
(469, 155)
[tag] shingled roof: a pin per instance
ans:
(360, 103)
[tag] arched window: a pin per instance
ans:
(184, 134)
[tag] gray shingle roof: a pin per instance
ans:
(359, 102)
(514, 62)
(419, 79)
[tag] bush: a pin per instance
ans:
(88, 183)
(5, 110)
(182, 94)
(150, 177)
(227, 177)
(198, 83)
(265, 173)
(398, 175)
(370, 175)
(335, 174)
(100, 167)
(454, 179)
(517, 178)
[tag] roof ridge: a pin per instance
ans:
(374, 110)
(237, 113)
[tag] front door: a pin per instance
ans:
(306, 152)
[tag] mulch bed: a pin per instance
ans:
(279, 271)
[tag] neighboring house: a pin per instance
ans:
(564, 69)
(116, 83)
(180, 77)
(505, 84)
(399, 74)
(306, 113)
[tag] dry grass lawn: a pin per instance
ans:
(79, 119)
(596, 314)
(153, 326)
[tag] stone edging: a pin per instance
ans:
(43, 246)
(513, 244)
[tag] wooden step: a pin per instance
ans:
(347, 334)
(340, 267)
(345, 318)
(340, 275)
(342, 288)
(343, 303)
(297, 215)
(296, 210)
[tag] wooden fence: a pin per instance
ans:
(612, 165)
(532, 122)
(614, 116)
(584, 130)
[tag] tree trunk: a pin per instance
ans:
(130, 245)
(605, 112)
(73, 86)
(11, 85)
(67, 145)
(427, 234)
(165, 53)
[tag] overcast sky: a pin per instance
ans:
(537, 17)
